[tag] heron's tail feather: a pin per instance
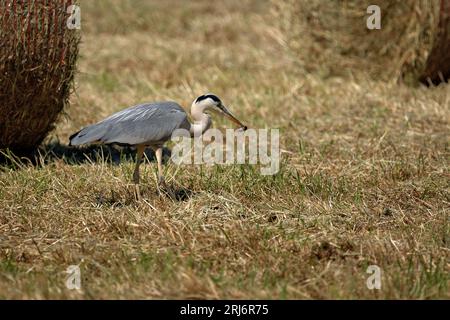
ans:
(72, 137)
(86, 135)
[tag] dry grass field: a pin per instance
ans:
(364, 178)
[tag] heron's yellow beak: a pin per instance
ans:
(233, 118)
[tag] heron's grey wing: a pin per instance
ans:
(145, 123)
(153, 125)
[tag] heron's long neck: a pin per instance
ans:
(201, 121)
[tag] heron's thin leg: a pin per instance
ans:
(139, 154)
(158, 153)
(136, 175)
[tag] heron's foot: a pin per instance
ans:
(136, 177)
(164, 189)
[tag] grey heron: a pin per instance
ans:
(151, 125)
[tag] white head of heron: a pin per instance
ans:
(210, 102)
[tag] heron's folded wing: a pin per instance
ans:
(150, 122)
(144, 124)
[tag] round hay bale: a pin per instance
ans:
(38, 53)
(438, 63)
(332, 38)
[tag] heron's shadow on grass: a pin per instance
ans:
(112, 198)
(113, 154)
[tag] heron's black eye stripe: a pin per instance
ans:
(206, 96)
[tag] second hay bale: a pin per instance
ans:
(331, 37)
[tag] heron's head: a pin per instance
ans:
(211, 102)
